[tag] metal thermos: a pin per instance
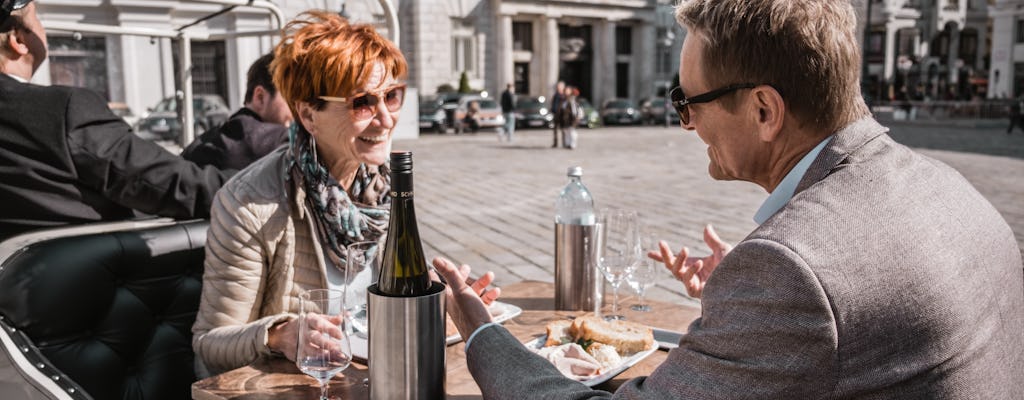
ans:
(578, 284)
(407, 345)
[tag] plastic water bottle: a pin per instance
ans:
(578, 285)
(574, 206)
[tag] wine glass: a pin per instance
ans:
(645, 274)
(361, 271)
(619, 251)
(324, 348)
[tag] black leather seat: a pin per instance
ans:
(112, 311)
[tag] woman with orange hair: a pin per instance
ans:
(281, 226)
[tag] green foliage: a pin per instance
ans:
(445, 88)
(464, 83)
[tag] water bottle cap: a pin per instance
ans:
(575, 171)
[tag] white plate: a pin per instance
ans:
(538, 343)
(500, 312)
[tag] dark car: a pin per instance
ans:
(162, 121)
(432, 115)
(652, 112)
(620, 111)
(533, 112)
(449, 102)
(591, 117)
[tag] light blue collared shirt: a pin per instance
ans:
(784, 191)
(473, 335)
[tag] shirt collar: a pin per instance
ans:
(17, 78)
(782, 193)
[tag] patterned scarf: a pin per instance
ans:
(342, 217)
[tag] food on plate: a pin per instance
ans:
(558, 333)
(627, 337)
(571, 360)
(588, 346)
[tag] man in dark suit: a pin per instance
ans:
(258, 128)
(65, 158)
(875, 273)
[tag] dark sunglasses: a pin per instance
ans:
(364, 105)
(9, 6)
(680, 102)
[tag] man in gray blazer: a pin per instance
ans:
(875, 273)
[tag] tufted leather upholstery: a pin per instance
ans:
(113, 311)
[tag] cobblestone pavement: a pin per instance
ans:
(491, 204)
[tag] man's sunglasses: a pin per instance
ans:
(681, 103)
(9, 6)
(364, 105)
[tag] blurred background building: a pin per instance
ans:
(915, 49)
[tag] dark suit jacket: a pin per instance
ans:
(886, 276)
(235, 144)
(65, 158)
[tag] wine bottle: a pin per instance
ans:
(403, 270)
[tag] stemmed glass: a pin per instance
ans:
(324, 348)
(619, 251)
(645, 274)
(361, 272)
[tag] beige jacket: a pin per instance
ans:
(261, 252)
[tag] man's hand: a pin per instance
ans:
(467, 299)
(693, 271)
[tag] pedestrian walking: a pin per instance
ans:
(570, 116)
(1015, 114)
(556, 106)
(508, 107)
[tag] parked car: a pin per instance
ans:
(161, 122)
(652, 112)
(490, 114)
(533, 112)
(449, 102)
(432, 115)
(620, 111)
(591, 117)
(122, 110)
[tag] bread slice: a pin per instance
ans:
(627, 337)
(558, 333)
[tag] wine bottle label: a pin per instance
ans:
(401, 194)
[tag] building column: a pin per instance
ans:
(888, 66)
(954, 55)
(549, 57)
(604, 66)
(643, 58)
(504, 32)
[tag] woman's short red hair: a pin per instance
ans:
(322, 54)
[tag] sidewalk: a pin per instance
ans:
(491, 204)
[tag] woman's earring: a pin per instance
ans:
(312, 144)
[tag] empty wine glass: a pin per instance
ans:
(619, 251)
(324, 348)
(361, 271)
(645, 274)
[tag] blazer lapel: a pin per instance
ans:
(846, 141)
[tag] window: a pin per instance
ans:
(79, 63)
(522, 36)
(876, 46)
(1020, 31)
(209, 67)
(522, 77)
(622, 80)
(463, 55)
(623, 40)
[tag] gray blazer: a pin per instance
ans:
(886, 276)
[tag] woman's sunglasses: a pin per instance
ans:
(681, 103)
(364, 105)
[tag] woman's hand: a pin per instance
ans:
(284, 337)
(693, 271)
